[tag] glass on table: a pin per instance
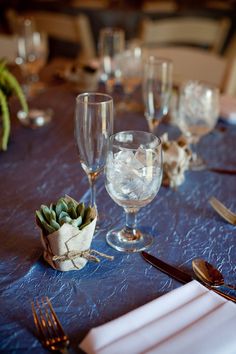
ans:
(93, 127)
(111, 43)
(133, 175)
(32, 52)
(157, 89)
(130, 66)
(197, 114)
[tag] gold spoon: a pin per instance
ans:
(208, 274)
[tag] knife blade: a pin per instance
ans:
(179, 274)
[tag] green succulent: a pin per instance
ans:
(8, 86)
(66, 210)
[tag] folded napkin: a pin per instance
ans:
(228, 108)
(190, 319)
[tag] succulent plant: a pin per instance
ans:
(66, 210)
(8, 86)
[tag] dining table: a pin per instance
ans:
(41, 165)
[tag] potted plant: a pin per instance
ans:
(8, 86)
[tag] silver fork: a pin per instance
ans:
(49, 329)
(224, 212)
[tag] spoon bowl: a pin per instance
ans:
(208, 274)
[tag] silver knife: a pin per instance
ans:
(179, 274)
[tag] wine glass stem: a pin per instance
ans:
(130, 230)
(92, 180)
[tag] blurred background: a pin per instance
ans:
(130, 15)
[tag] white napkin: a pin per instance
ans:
(190, 319)
(228, 108)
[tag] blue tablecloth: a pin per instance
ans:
(42, 165)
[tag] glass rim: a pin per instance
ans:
(107, 98)
(153, 59)
(155, 137)
(110, 29)
(200, 83)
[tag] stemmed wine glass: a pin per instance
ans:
(111, 43)
(130, 66)
(32, 52)
(157, 89)
(93, 127)
(133, 175)
(197, 115)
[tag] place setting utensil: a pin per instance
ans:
(179, 275)
(48, 326)
(224, 212)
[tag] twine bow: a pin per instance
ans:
(90, 255)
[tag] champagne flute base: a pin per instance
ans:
(124, 242)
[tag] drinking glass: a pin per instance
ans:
(133, 175)
(130, 66)
(198, 114)
(93, 127)
(157, 89)
(111, 43)
(32, 52)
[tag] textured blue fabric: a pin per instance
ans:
(42, 165)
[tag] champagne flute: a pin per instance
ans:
(157, 89)
(197, 115)
(111, 43)
(31, 57)
(93, 127)
(133, 177)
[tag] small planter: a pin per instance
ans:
(68, 248)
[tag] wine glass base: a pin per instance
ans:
(35, 118)
(117, 239)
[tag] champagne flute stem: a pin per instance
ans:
(92, 179)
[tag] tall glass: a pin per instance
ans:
(111, 43)
(130, 65)
(198, 114)
(93, 127)
(133, 177)
(32, 52)
(157, 90)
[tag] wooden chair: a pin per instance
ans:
(75, 29)
(159, 6)
(198, 64)
(8, 47)
(207, 33)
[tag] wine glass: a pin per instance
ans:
(32, 52)
(197, 115)
(32, 48)
(133, 175)
(111, 43)
(130, 65)
(93, 127)
(157, 89)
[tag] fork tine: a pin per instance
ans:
(46, 321)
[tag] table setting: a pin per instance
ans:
(111, 240)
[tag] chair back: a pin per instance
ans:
(203, 32)
(8, 47)
(196, 64)
(71, 28)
